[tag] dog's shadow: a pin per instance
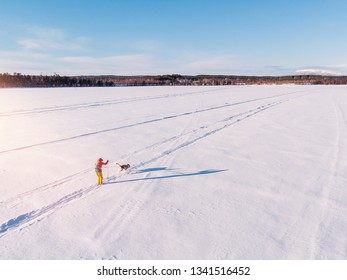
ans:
(169, 176)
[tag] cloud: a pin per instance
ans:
(135, 64)
(66, 55)
(45, 39)
(72, 56)
(147, 45)
(206, 64)
(200, 62)
(31, 62)
(323, 72)
(24, 62)
(45, 32)
(49, 44)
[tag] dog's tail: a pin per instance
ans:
(118, 164)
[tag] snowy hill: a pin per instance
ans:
(249, 172)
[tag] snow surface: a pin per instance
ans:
(248, 172)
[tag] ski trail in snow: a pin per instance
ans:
(30, 218)
(184, 132)
(93, 133)
(322, 195)
(125, 212)
(103, 103)
(330, 192)
(77, 175)
(18, 198)
(132, 200)
(223, 124)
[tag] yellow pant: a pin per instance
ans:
(99, 174)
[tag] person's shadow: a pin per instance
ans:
(147, 170)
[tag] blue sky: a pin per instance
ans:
(135, 37)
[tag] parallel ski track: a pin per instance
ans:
(29, 218)
(103, 103)
(144, 122)
(77, 175)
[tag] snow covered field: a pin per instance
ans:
(249, 172)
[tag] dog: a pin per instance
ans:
(124, 166)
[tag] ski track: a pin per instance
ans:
(17, 199)
(143, 123)
(125, 212)
(325, 188)
(123, 157)
(320, 200)
(328, 195)
(104, 103)
(127, 208)
(29, 218)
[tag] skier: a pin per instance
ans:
(98, 170)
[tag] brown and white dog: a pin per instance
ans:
(123, 166)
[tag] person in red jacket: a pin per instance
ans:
(98, 170)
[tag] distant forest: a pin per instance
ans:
(20, 80)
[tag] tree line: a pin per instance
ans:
(19, 80)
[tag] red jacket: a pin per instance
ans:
(99, 165)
